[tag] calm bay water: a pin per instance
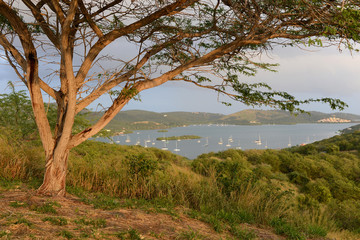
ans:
(231, 136)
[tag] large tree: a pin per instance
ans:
(60, 48)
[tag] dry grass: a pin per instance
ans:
(79, 220)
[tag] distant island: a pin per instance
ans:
(143, 120)
(184, 137)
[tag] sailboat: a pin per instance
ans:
(289, 144)
(221, 141)
(258, 142)
(145, 144)
(164, 147)
(231, 139)
(127, 139)
(176, 147)
(228, 144)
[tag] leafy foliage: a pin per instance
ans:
(17, 115)
(16, 112)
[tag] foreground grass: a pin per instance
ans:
(72, 219)
(295, 193)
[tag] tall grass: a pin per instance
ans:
(135, 172)
(18, 160)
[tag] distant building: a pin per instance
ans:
(333, 120)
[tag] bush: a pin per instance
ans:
(318, 190)
(298, 178)
(141, 166)
(347, 214)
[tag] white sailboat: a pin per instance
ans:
(258, 142)
(176, 147)
(220, 142)
(231, 139)
(164, 147)
(127, 139)
(228, 144)
(145, 144)
(289, 144)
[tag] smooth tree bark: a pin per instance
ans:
(207, 43)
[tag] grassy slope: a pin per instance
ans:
(306, 192)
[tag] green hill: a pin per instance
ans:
(281, 117)
(140, 120)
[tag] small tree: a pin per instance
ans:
(16, 112)
(58, 47)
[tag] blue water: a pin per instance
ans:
(233, 136)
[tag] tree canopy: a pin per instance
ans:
(76, 51)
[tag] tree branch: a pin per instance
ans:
(45, 26)
(117, 33)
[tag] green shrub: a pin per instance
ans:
(141, 166)
(318, 190)
(347, 214)
(298, 178)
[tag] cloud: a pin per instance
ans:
(325, 72)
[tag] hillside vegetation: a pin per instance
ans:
(280, 117)
(137, 119)
(308, 192)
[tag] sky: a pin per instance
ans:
(312, 73)
(303, 73)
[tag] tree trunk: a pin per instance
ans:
(55, 173)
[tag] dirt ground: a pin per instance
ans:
(23, 216)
